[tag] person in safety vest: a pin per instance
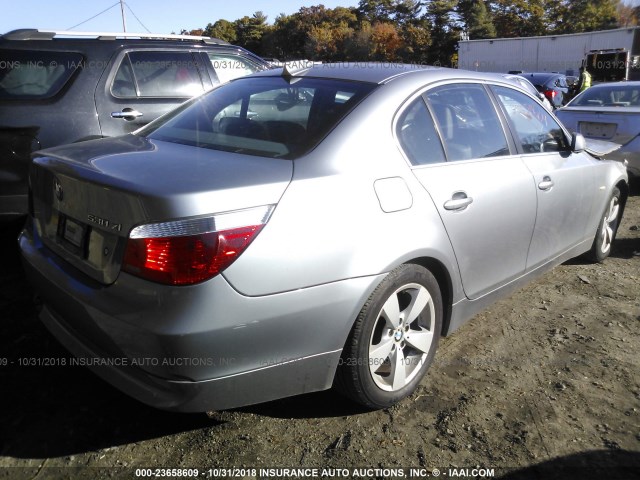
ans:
(585, 80)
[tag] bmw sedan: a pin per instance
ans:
(301, 229)
(609, 111)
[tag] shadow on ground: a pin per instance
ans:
(598, 464)
(326, 404)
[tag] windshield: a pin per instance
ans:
(264, 116)
(617, 95)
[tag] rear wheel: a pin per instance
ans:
(607, 229)
(394, 339)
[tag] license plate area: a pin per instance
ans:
(73, 235)
(598, 130)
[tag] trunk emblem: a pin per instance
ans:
(57, 188)
(105, 223)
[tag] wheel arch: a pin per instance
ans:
(445, 283)
(624, 194)
(443, 278)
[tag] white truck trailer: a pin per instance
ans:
(608, 54)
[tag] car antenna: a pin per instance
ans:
(291, 69)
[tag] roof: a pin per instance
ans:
(37, 34)
(566, 35)
(372, 72)
(625, 83)
(540, 75)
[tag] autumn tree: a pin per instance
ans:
(358, 46)
(314, 32)
(327, 39)
(412, 27)
(385, 42)
(627, 15)
(327, 42)
(424, 31)
(416, 43)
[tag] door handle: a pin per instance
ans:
(546, 183)
(459, 201)
(127, 114)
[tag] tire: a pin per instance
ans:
(607, 229)
(392, 343)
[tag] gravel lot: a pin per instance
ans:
(545, 384)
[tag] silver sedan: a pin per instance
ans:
(611, 112)
(304, 228)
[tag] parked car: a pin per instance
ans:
(609, 111)
(215, 259)
(553, 85)
(64, 87)
(528, 86)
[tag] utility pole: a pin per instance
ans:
(124, 21)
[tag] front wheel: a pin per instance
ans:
(607, 229)
(394, 339)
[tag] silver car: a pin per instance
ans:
(609, 111)
(295, 230)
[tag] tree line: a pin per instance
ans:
(412, 31)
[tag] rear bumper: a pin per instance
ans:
(294, 377)
(197, 348)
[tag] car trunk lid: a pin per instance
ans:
(600, 148)
(87, 197)
(615, 124)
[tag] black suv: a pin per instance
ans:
(65, 87)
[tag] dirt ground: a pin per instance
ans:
(545, 384)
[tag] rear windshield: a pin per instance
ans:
(622, 95)
(538, 81)
(264, 116)
(33, 75)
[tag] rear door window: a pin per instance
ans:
(155, 74)
(468, 122)
(417, 135)
(35, 75)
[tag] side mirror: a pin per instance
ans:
(578, 143)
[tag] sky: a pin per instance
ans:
(159, 16)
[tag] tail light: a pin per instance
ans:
(550, 94)
(185, 252)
